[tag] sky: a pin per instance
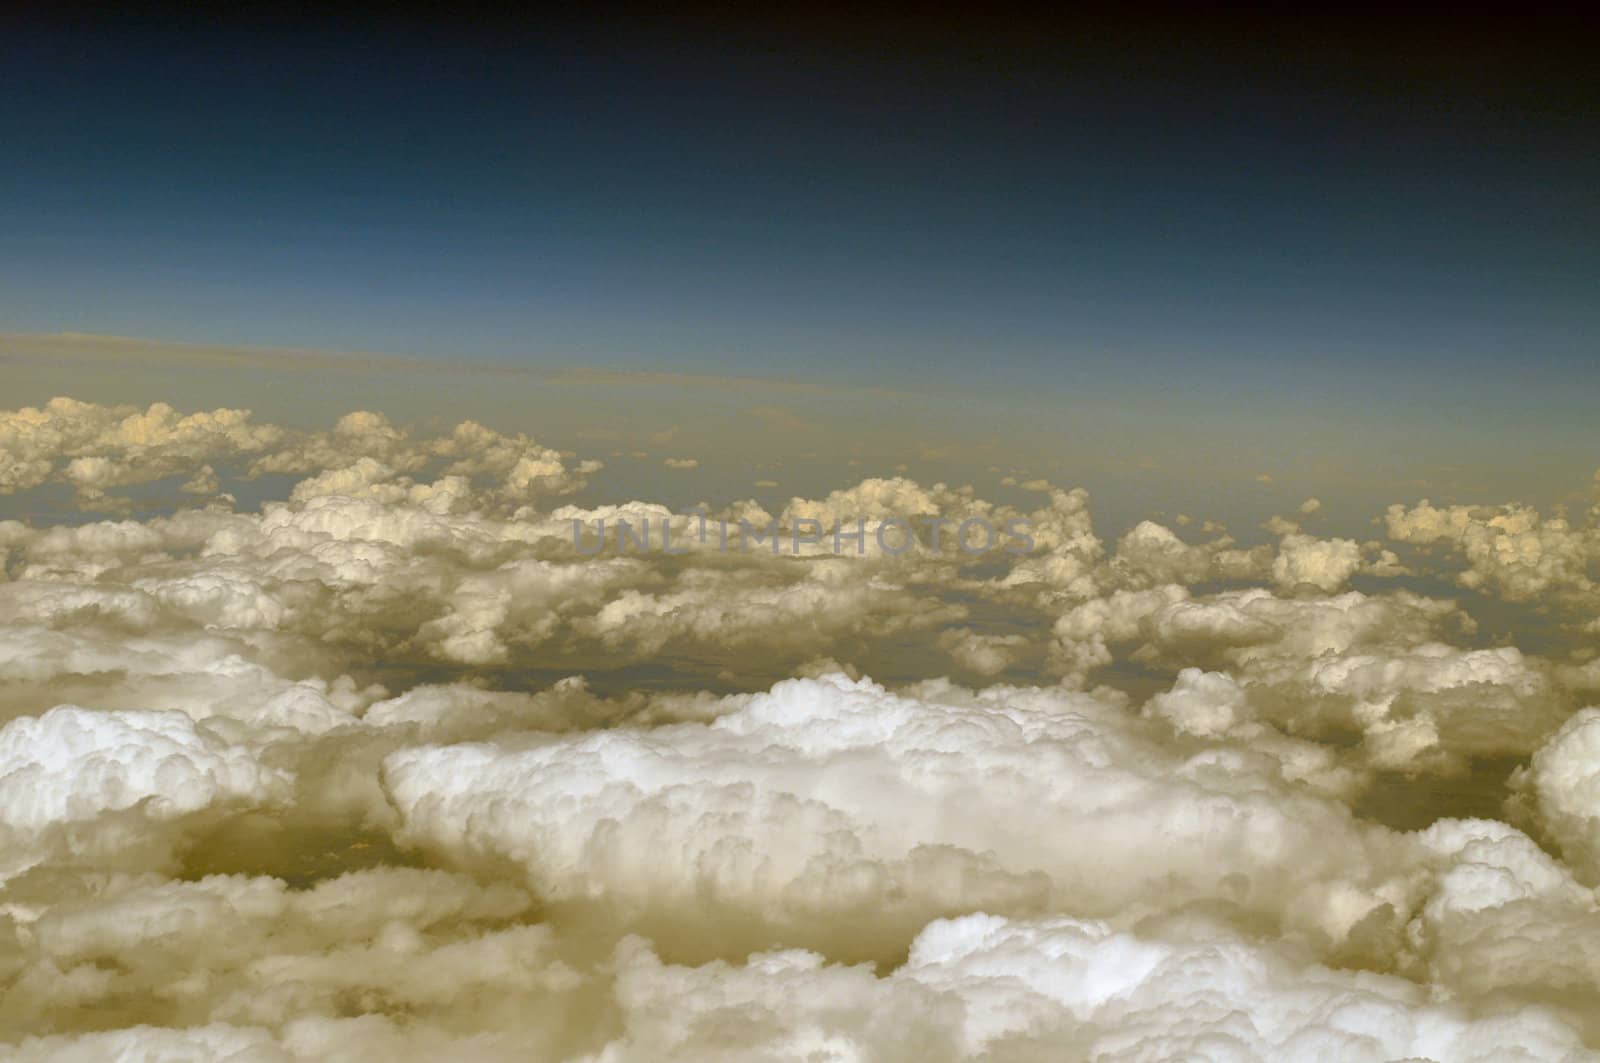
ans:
(776, 200)
(1148, 235)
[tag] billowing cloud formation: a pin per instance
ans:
(97, 448)
(388, 764)
(986, 987)
(71, 765)
(1510, 549)
(832, 803)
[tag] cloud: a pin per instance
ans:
(1563, 783)
(830, 811)
(72, 764)
(1509, 549)
(383, 763)
(986, 655)
(986, 987)
(1326, 564)
(95, 449)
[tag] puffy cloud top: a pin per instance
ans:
(388, 765)
(74, 764)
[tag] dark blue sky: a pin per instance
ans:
(1099, 209)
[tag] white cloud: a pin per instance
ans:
(386, 766)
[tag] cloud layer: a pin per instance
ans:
(380, 762)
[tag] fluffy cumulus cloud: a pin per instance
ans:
(94, 448)
(410, 756)
(1562, 782)
(1509, 549)
(832, 807)
(71, 765)
(982, 986)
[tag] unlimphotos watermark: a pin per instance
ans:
(892, 536)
